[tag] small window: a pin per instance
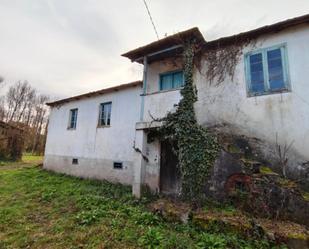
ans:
(105, 114)
(73, 118)
(74, 161)
(172, 80)
(117, 165)
(267, 71)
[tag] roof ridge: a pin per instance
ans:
(254, 33)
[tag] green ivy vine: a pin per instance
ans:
(195, 147)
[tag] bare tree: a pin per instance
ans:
(2, 108)
(23, 107)
(2, 101)
(27, 105)
(40, 121)
(17, 97)
(2, 83)
(1, 79)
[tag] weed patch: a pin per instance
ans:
(40, 209)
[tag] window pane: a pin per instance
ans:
(178, 79)
(275, 69)
(256, 73)
(166, 82)
(108, 113)
(105, 114)
(73, 118)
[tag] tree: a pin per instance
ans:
(40, 121)
(22, 106)
(18, 96)
(2, 108)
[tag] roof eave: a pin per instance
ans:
(255, 33)
(166, 44)
(95, 93)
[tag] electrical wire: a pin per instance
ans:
(154, 26)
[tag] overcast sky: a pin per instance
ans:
(68, 47)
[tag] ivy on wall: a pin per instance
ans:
(196, 148)
(221, 61)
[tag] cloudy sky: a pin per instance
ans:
(67, 47)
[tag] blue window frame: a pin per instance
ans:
(105, 114)
(73, 119)
(171, 80)
(267, 71)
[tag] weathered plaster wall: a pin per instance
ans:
(152, 167)
(96, 148)
(157, 103)
(286, 114)
(94, 168)
(156, 68)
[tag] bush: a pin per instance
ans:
(11, 146)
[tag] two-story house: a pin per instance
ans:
(255, 83)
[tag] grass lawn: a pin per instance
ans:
(40, 209)
(28, 160)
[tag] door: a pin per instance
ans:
(169, 179)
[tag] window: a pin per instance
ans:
(117, 165)
(267, 71)
(105, 114)
(74, 161)
(171, 80)
(73, 118)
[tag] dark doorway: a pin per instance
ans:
(168, 169)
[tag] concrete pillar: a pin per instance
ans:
(139, 162)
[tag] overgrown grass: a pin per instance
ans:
(40, 209)
(27, 160)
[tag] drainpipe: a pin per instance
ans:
(144, 88)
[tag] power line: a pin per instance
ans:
(154, 26)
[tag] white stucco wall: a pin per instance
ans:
(282, 115)
(96, 148)
(286, 114)
(158, 104)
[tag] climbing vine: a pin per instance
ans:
(195, 147)
(222, 60)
